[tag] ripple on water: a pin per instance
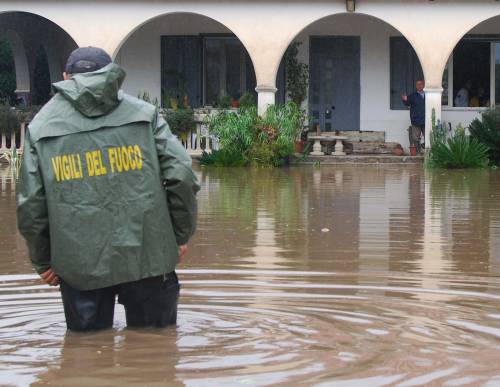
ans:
(265, 327)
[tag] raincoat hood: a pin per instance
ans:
(94, 94)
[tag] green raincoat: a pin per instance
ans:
(106, 192)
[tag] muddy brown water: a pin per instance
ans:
(330, 276)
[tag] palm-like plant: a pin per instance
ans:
(487, 132)
(457, 152)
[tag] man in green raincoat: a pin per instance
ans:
(106, 199)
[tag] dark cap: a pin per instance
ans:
(86, 60)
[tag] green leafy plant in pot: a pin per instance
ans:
(176, 92)
(181, 122)
(224, 101)
(297, 81)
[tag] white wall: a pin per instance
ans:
(140, 56)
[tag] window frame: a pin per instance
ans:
(243, 65)
(493, 40)
(391, 53)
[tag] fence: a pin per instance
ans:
(14, 141)
(198, 141)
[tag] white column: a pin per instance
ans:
(432, 101)
(266, 97)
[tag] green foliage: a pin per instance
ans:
(7, 74)
(223, 158)
(176, 91)
(41, 85)
(261, 141)
(247, 100)
(487, 131)
(223, 101)
(234, 131)
(283, 124)
(9, 120)
(297, 74)
(181, 121)
(459, 151)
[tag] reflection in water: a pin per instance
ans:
(359, 275)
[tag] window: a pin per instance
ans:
(405, 71)
(471, 74)
(228, 69)
(205, 68)
(181, 64)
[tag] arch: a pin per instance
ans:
(184, 33)
(20, 62)
(27, 32)
(173, 13)
(456, 41)
(342, 13)
(38, 16)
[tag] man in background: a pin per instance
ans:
(106, 199)
(416, 102)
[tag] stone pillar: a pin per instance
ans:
(432, 101)
(266, 97)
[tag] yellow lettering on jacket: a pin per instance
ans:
(67, 167)
(125, 158)
(95, 164)
(120, 159)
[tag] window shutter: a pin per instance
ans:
(405, 71)
(182, 55)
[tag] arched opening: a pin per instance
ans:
(359, 68)
(472, 74)
(39, 48)
(187, 58)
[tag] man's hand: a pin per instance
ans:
(404, 97)
(50, 278)
(182, 251)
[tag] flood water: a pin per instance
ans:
(325, 276)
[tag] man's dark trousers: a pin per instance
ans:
(151, 302)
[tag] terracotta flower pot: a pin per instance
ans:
(413, 150)
(398, 152)
(299, 146)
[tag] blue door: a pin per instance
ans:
(334, 84)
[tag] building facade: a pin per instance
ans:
(362, 55)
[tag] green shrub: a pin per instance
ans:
(223, 101)
(487, 131)
(282, 124)
(181, 121)
(235, 132)
(297, 74)
(9, 120)
(247, 100)
(456, 152)
(262, 141)
(223, 158)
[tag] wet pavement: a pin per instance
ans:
(337, 275)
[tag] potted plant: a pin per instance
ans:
(247, 100)
(175, 94)
(223, 101)
(235, 103)
(181, 122)
(297, 81)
